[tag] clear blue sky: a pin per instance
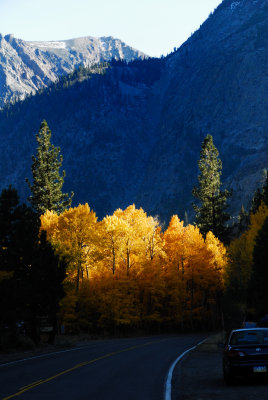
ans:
(152, 26)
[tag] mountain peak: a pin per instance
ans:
(9, 37)
(28, 66)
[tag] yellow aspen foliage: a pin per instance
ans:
(139, 276)
(68, 312)
(193, 270)
(256, 223)
(73, 235)
(152, 237)
(133, 243)
(152, 294)
(112, 233)
(182, 246)
(218, 260)
(112, 302)
(120, 306)
(49, 223)
(239, 269)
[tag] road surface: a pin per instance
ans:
(120, 369)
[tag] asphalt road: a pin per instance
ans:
(121, 369)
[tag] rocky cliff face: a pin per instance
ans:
(215, 83)
(29, 66)
(134, 133)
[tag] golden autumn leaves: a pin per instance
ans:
(240, 265)
(124, 271)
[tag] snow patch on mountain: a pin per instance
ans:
(50, 45)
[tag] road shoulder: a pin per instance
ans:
(199, 377)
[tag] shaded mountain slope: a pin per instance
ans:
(133, 133)
(216, 83)
(101, 123)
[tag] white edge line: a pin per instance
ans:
(41, 355)
(171, 369)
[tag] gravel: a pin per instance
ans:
(199, 377)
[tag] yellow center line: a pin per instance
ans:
(82, 364)
(31, 384)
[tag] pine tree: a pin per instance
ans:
(47, 181)
(31, 275)
(210, 214)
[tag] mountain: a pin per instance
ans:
(102, 120)
(26, 67)
(216, 83)
(132, 132)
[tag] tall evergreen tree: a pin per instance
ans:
(33, 274)
(9, 201)
(47, 181)
(210, 212)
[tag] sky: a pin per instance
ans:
(152, 26)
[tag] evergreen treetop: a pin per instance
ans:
(47, 181)
(210, 212)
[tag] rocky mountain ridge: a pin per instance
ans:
(26, 67)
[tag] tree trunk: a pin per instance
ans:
(128, 261)
(78, 278)
(113, 260)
